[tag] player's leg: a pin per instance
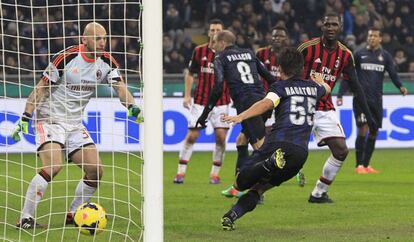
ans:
(360, 144)
(87, 158)
(372, 137)
(50, 154)
(220, 132)
(187, 149)
(285, 164)
(83, 152)
(328, 131)
(360, 141)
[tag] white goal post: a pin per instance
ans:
(153, 124)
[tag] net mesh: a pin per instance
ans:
(31, 33)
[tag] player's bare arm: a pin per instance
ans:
(188, 84)
(124, 94)
(256, 109)
(36, 95)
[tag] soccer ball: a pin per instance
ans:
(90, 218)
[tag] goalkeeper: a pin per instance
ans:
(59, 100)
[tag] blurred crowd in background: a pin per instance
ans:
(252, 21)
(31, 36)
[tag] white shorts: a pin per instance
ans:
(326, 125)
(214, 116)
(270, 121)
(70, 137)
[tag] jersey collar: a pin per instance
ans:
(84, 57)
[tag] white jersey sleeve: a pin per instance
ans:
(51, 73)
(113, 74)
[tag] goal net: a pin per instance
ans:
(32, 33)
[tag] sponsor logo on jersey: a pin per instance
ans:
(208, 69)
(326, 74)
(372, 67)
(380, 58)
(318, 60)
(204, 58)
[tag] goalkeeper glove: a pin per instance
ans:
(134, 111)
(22, 126)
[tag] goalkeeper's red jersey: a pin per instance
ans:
(269, 59)
(202, 64)
(330, 63)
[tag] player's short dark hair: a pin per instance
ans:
(227, 36)
(216, 21)
(280, 27)
(373, 28)
(333, 14)
(291, 61)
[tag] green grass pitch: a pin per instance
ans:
(371, 207)
(367, 207)
(119, 194)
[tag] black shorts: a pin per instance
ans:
(253, 128)
(375, 109)
(294, 156)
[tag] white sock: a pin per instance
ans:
(330, 169)
(83, 194)
(218, 153)
(215, 168)
(34, 194)
(186, 152)
(184, 156)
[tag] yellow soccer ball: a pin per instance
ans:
(90, 218)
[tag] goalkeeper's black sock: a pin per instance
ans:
(251, 175)
(245, 204)
(359, 149)
(242, 155)
(369, 149)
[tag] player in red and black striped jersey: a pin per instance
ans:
(201, 64)
(331, 58)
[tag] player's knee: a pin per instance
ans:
(250, 200)
(341, 153)
(191, 137)
(94, 172)
(241, 139)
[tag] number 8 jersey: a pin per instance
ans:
(241, 69)
(295, 101)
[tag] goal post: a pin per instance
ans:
(153, 124)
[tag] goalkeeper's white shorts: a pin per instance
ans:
(326, 125)
(69, 136)
(214, 116)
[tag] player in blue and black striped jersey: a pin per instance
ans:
(285, 149)
(241, 69)
(371, 62)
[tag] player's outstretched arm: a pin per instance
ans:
(256, 109)
(33, 100)
(127, 99)
(392, 71)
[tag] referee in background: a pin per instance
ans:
(370, 62)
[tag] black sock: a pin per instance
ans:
(245, 204)
(359, 149)
(242, 155)
(369, 149)
(251, 175)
